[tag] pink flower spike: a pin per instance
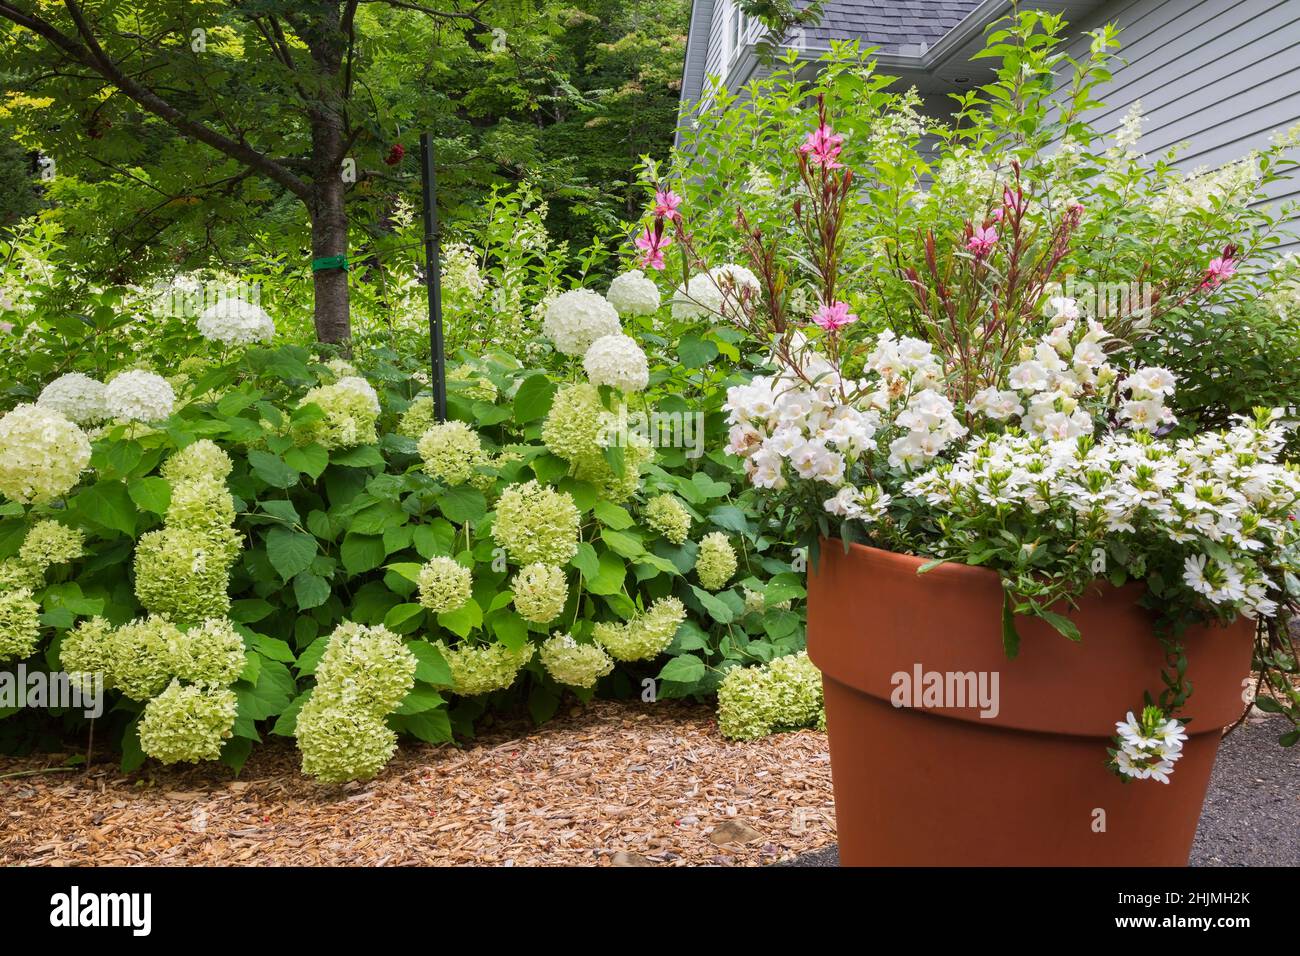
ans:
(834, 317)
(667, 204)
(823, 147)
(997, 214)
(1220, 269)
(982, 240)
(652, 246)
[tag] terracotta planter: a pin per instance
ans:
(917, 785)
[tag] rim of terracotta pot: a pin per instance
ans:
(871, 616)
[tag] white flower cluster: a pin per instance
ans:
(617, 361)
(632, 293)
(77, 397)
(139, 396)
(42, 454)
(1148, 748)
(718, 292)
(576, 319)
(233, 321)
(1221, 497)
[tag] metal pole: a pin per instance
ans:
(433, 278)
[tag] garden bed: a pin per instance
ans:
(609, 783)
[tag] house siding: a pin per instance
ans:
(1221, 76)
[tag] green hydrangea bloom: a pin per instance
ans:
(418, 418)
(179, 574)
(341, 743)
(141, 656)
(578, 665)
(536, 524)
(645, 636)
(210, 653)
(20, 625)
(482, 668)
(187, 723)
(364, 668)
(617, 488)
(197, 460)
(444, 584)
(205, 506)
(784, 694)
(351, 409)
(716, 561)
(540, 592)
(86, 650)
(746, 704)
(14, 574)
(574, 426)
(50, 542)
(669, 517)
(472, 384)
(452, 452)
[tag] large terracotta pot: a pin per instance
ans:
(1029, 786)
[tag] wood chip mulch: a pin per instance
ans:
(613, 783)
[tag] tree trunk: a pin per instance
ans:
(329, 238)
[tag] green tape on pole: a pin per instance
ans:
(330, 262)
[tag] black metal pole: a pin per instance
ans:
(433, 278)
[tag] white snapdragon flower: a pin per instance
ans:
(139, 396)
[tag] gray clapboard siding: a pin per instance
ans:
(1221, 76)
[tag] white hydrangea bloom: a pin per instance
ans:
(718, 292)
(575, 319)
(139, 396)
(77, 397)
(617, 361)
(633, 294)
(42, 454)
(359, 385)
(232, 321)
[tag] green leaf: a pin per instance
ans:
(628, 545)
(463, 504)
(151, 494)
(367, 456)
(250, 610)
(534, 397)
(436, 537)
(1063, 624)
(684, 669)
(109, 505)
(612, 515)
(717, 608)
(289, 551)
(549, 468)
(272, 469)
(133, 757)
(310, 459)
(274, 648)
(401, 614)
(235, 753)
(284, 510)
(695, 352)
(431, 726)
(1268, 705)
(543, 702)
(609, 576)
(1010, 636)
(310, 590)
(510, 629)
(361, 553)
(430, 666)
(272, 693)
(462, 620)
(421, 698)
(310, 657)
(730, 518)
(287, 722)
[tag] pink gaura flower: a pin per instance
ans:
(982, 240)
(1220, 269)
(823, 147)
(835, 316)
(652, 244)
(667, 204)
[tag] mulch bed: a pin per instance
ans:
(612, 783)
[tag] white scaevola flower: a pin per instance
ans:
(577, 318)
(233, 321)
(633, 294)
(617, 361)
(77, 397)
(139, 396)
